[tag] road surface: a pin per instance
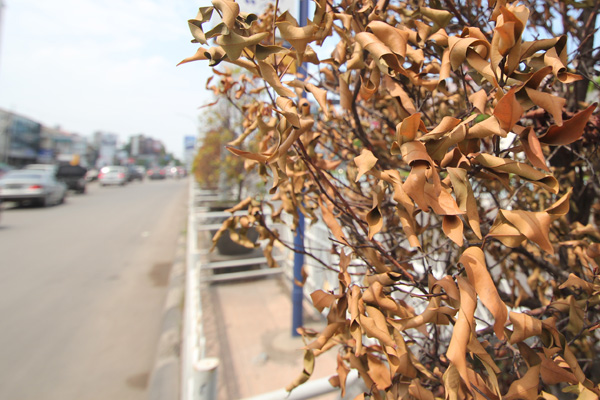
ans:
(82, 286)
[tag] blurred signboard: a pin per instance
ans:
(189, 142)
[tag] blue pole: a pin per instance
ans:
(297, 292)
(303, 12)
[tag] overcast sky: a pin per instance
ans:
(90, 65)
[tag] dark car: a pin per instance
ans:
(73, 176)
(133, 173)
(157, 173)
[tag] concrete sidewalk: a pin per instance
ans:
(247, 326)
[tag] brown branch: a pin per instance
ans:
(553, 270)
(292, 248)
(348, 210)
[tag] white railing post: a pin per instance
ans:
(198, 374)
(205, 374)
(187, 351)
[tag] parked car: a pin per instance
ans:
(73, 176)
(32, 186)
(157, 173)
(112, 175)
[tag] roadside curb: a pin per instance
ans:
(164, 381)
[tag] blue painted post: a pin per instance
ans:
(297, 292)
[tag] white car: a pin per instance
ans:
(112, 175)
(32, 186)
(43, 167)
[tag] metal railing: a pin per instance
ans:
(198, 373)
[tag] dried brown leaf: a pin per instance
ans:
(465, 197)
(309, 367)
(526, 172)
(533, 149)
(524, 326)
(525, 388)
(365, 162)
(553, 104)
(473, 260)
(229, 11)
(322, 300)
(453, 228)
(235, 44)
(571, 129)
(417, 391)
(463, 329)
(508, 111)
(269, 74)
(298, 37)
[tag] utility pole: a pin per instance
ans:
(297, 291)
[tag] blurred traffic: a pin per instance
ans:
(45, 185)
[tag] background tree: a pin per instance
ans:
(459, 165)
(221, 123)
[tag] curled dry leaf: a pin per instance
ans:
(465, 197)
(571, 129)
(525, 388)
(235, 44)
(524, 326)
(365, 162)
(269, 74)
(309, 367)
(473, 260)
(524, 171)
(463, 329)
(229, 11)
(533, 149)
(508, 111)
(453, 228)
(512, 227)
(298, 37)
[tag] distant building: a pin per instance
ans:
(20, 139)
(62, 146)
(146, 150)
(106, 143)
(25, 141)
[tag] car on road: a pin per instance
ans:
(157, 173)
(4, 168)
(42, 167)
(32, 186)
(91, 175)
(73, 176)
(112, 175)
(134, 173)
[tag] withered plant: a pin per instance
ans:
(454, 160)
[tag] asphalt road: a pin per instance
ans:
(82, 287)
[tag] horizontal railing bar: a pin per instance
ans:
(244, 274)
(209, 227)
(235, 263)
